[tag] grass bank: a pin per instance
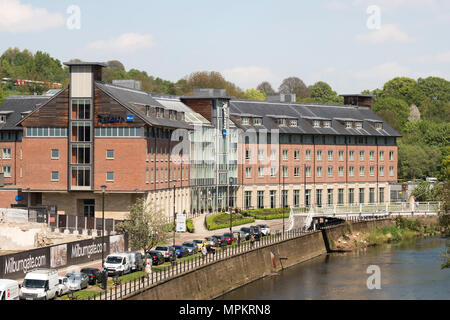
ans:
(222, 220)
(266, 214)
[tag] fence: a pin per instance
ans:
(120, 290)
(80, 224)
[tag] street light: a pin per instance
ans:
(174, 216)
(229, 205)
(104, 277)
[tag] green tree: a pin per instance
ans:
(424, 191)
(145, 225)
(321, 92)
(2, 94)
(399, 107)
(294, 85)
(205, 79)
(265, 87)
(253, 94)
(401, 88)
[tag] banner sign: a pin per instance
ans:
(181, 223)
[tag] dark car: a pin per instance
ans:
(246, 232)
(191, 247)
(229, 238)
(181, 251)
(95, 275)
(167, 251)
(211, 241)
(157, 257)
(221, 240)
(256, 231)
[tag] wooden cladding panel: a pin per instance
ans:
(106, 106)
(201, 106)
(53, 114)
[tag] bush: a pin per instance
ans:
(222, 220)
(267, 214)
(189, 226)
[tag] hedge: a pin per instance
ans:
(189, 226)
(222, 220)
(267, 214)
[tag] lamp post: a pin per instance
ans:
(284, 202)
(105, 275)
(174, 215)
(229, 205)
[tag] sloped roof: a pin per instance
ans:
(19, 105)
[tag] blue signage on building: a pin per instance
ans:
(130, 117)
(19, 198)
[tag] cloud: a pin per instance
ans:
(125, 43)
(387, 33)
(16, 17)
(249, 77)
(393, 5)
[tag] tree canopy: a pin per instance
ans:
(294, 85)
(253, 94)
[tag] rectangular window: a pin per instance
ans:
(55, 176)
(381, 195)
(341, 171)
(319, 171)
(361, 155)
(285, 171)
(257, 121)
(361, 195)
(248, 172)
(293, 123)
(381, 155)
(285, 155)
(109, 154)
(330, 155)
(55, 154)
(244, 120)
(330, 171)
(81, 154)
(327, 124)
(371, 195)
(372, 155)
(361, 171)
(341, 155)
(308, 171)
(261, 154)
(391, 171)
(330, 197)
(273, 171)
(261, 172)
(248, 199)
(351, 155)
(351, 171)
(359, 125)
(81, 176)
(348, 124)
(308, 155)
(110, 176)
(81, 131)
(382, 171)
(296, 171)
(319, 155)
(372, 171)
(316, 124)
(319, 197)
(273, 155)
(6, 153)
(308, 198)
(296, 198)
(7, 171)
(248, 154)
(284, 198)
(296, 154)
(351, 196)
(340, 196)
(391, 155)
(273, 199)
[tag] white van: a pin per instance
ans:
(118, 264)
(9, 289)
(40, 284)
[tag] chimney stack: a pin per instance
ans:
(361, 100)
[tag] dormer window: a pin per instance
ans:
(257, 121)
(159, 112)
(359, 125)
(293, 123)
(172, 114)
(2, 119)
(348, 124)
(327, 124)
(316, 124)
(379, 125)
(245, 120)
(282, 122)
(147, 111)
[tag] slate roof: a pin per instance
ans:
(269, 111)
(19, 105)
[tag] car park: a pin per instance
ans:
(137, 261)
(256, 232)
(191, 247)
(78, 281)
(246, 232)
(229, 238)
(200, 244)
(211, 241)
(9, 289)
(118, 264)
(168, 252)
(221, 240)
(239, 236)
(40, 284)
(156, 257)
(95, 276)
(63, 285)
(181, 251)
(265, 230)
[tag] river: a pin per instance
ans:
(408, 269)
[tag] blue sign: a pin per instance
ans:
(19, 198)
(130, 117)
(224, 132)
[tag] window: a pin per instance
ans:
(319, 197)
(7, 171)
(348, 124)
(361, 171)
(351, 171)
(319, 171)
(273, 171)
(308, 198)
(296, 154)
(361, 155)
(55, 154)
(372, 155)
(327, 124)
(297, 172)
(261, 154)
(359, 125)
(261, 172)
(273, 155)
(341, 171)
(293, 123)
(340, 196)
(49, 132)
(308, 155)
(341, 155)
(248, 154)
(316, 124)
(257, 121)
(81, 154)
(109, 154)
(244, 120)
(81, 131)
(351, 196)
(55, 176)
(273, 199)
(110, 176)
(351, 155)
(308, 171)
(371, 195)
(379, 125)
(81, 109)
(248, 199)
(391, 155)
(2, 119)
(330, 197)
(381, 155)
(361, 195)
(319, 155)
(284, 198)
(372, 171)
(330, 155)
(6, 153)
(282, 122)
(248, 172)
(382, 171)
(296, 198)
(391, 171)
(330, 171)
(122, 132)
(285, 171)
(381, 195)
(285, 155)
(260, 199)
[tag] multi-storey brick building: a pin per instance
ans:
(61, 150)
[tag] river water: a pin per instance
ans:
(408, 269)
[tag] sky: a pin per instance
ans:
(351, 44)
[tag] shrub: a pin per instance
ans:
(222, 220)
(267, 214)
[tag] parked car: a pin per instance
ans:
(200, 244)
(191, 247)
(265, 230)
(256, 231)
(40, 284)
(95, 276)
(137, 261)
(246, 232)
(63, 286)
(210, 241)
(156, 257)
(118, 264)
(221, 241)
(78, 281)
(181, 251)
(168, 252)
(239, 235)
(9, 290)
(229, 238)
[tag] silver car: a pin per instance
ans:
(78, 281)
(63, 286)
